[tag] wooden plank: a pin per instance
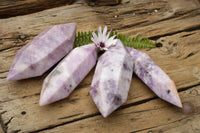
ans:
(2, 127)
(153, 116)
(22, 96)
(1, 130)
(10, 8)
(19, 100)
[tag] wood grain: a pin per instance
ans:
(142, 118)
(174, 24)
(1, 130)
(10, 8)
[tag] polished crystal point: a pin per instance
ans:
(68, 74)
(112, 78)
(154, 77)
(44, 51)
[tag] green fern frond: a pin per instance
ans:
(84, 38)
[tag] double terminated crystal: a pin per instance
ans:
(112, 78)
(43, 52)
(154, 77)
(68, 74)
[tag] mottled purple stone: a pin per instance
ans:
(154, 77)
(112, 78)
(44, 51)
(68, 74)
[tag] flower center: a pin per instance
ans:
(102, 44)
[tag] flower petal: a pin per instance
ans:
(100, 29)
(111, 42)
(111, 38)
(103, 36)
(108, 34)
(94, 41)
(104, 31)
(94, 36)
(99, 33)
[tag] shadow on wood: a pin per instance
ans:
(103, 2)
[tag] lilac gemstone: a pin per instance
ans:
(154, 77)
(68, 74)
(112, 78)
(44, 51)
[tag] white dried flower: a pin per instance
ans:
(102, 41)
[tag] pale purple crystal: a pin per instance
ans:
(112, 78)
(43, 52)
(154, 77)
(68, 74)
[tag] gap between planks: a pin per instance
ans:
(2, 126)
(121, 108)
